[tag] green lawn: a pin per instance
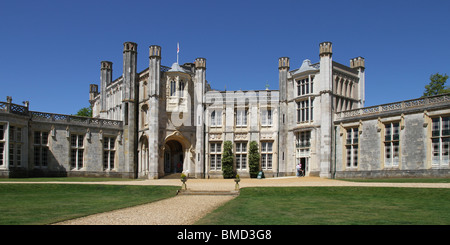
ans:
(334, 206)
(403, 180)
(65, 179)
(26, 204)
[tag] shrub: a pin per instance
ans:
(253, 159)
(227, 160)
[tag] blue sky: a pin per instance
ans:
(51, 50)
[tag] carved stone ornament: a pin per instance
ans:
(265, 136)
(240, 136)
(215, 136)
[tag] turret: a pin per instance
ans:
(199, 117)
(154, 82)
(154, 70)
(129, 106)
(358, 63)
(129, 70)
(105, 80)
(93, 92)
(326, 49)
(326, 111)
(283, 68)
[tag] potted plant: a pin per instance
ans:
(237, 179)
(183, 179)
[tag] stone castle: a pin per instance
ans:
(165, 120)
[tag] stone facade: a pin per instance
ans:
(165, 120)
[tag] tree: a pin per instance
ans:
(436, 85)
(227, 160)
(85, 112)
(253, 159)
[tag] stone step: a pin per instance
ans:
(208, 192)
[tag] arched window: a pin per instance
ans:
(213, 118)
(173, 87)
(181, 88)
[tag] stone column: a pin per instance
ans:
(153, 115)
(129, 107)
(326, 113)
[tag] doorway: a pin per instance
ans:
(304, 161)
(173, 157)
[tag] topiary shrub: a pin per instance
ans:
(253, 159)
(227, 160)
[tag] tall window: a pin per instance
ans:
(173, 88)
(241, 117)
(108, 152)
(181, 88)
(440, 140)
(40, 144)
(215, 156)
(303, 143)
(2, 144)
(266, 155)
(305, 110)
(15, 146)
(266, 117)
(305, 86)
(241, 155)
(76, 151)
(216, 118)
(351, 146)
(391, 144)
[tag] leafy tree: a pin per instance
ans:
(85, 112)
(253, 159)
(227, 160)
(436, 85)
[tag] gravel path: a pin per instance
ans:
(179, 210)
(186, 209)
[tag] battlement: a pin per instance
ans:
(200, 63)
(283, 63)
(107, 65)
(357, 62)
(326, 49)
(129, 47)
(155, 51)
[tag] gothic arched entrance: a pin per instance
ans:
(173, 157)
(143, 155)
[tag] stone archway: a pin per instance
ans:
(173, 157)
(143, 156)
(177, 156)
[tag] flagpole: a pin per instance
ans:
(178, 50)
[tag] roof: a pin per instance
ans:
(306, 66)
(176, 67)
